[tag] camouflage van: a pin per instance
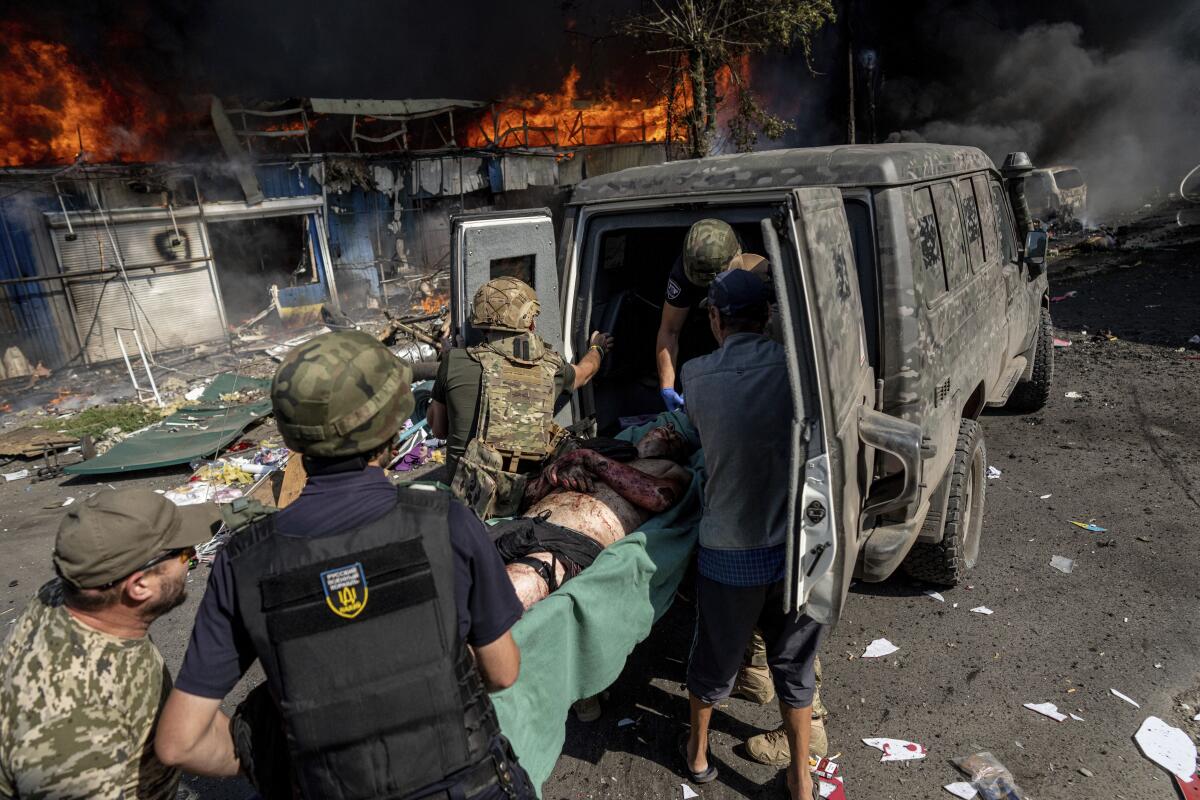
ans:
(911, 296)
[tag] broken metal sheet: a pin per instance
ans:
(189, 433)
(450, 175)
(509, 173)
(409, 109)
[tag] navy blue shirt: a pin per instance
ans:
(220, 650)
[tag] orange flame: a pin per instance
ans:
(563, 120)
(48, 102)
(432, 304)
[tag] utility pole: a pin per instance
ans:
(850, 109)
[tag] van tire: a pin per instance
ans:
(1032, 395)
(946, 563)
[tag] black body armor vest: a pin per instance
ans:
(358, 636)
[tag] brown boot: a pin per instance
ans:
(755, 684)
(771, 748)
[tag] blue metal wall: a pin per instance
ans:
(286, 180)
(27, 320)
(354, 217)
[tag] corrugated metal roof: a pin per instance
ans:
(391, 108)
(844, 165)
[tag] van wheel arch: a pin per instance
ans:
(975, 403)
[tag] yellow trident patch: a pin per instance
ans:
(345, 590)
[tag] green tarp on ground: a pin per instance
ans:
(575, 642)
(197, 431)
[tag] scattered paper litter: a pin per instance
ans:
(896, 749)
(954, 606)
(1073, 396)
(1048, 710)
(993, 472)
(1076, 717)
(1196, 718)
(879, 648)
(16, 476)
(982, 610)
(961, 789)
(1126, 698)
(935, 595)
(1089, 526)
(688, 793)
(194, 394)
(625, 722)
(1062, 564)
(68, 501)
(1046, 496)
(1169, 747)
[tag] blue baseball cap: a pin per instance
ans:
(738, 291)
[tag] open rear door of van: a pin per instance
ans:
(518, 244)
(832, 387)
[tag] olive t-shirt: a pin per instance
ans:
(457, 387)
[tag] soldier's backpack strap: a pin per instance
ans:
(243, 512)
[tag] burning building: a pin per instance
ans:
(127, 220)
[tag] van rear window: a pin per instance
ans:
(1068, 179)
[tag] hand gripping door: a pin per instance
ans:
(832, 385)
(518, 244)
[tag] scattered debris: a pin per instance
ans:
(990, 777)
(1089, 526)
(896, 749)
(1066, 296)
(1169, 747)
(993, 472)
(68, 502)
(688, 792)
(1062, 564)
(623, 723)
(1073, 396)
(935, 595)
(1062, 342)
(1126, 698)
(879, 648)
(1087, 773)
(1047, 710)
(982, 610)
(1076, 717)
(16, 476)
(961, 789)
(1046, 497)
(1195, 339)
(33, 441)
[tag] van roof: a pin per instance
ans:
(840, 165)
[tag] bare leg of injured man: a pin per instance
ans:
(584, 502)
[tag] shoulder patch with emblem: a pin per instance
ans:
(673, 290)
(345, 590)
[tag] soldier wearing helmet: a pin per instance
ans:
(495, 402)
(708, 249)
(381, 616)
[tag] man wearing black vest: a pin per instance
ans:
(381, 617)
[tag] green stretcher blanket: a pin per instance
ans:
(193, 432)
(575, 642)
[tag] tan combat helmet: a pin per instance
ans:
(505, 304)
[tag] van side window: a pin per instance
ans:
(859, 217)
(971, 218)
(1068, 179)
(933, 274)
(987, 217)
(1008, 242)
(950, 227)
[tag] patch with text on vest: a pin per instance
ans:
(345, 590)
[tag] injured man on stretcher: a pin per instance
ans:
(584, 501)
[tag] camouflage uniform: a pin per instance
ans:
(77, 710)
(515, 430)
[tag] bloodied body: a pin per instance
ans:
(601, 499)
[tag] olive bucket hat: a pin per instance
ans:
(707, 250)
(341, 394)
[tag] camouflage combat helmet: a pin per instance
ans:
(340, 394)
(505, 304)
(709, 246)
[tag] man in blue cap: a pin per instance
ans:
(743, 532)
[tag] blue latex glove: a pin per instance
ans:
(672, 399)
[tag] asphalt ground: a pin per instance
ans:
(1127, 616)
